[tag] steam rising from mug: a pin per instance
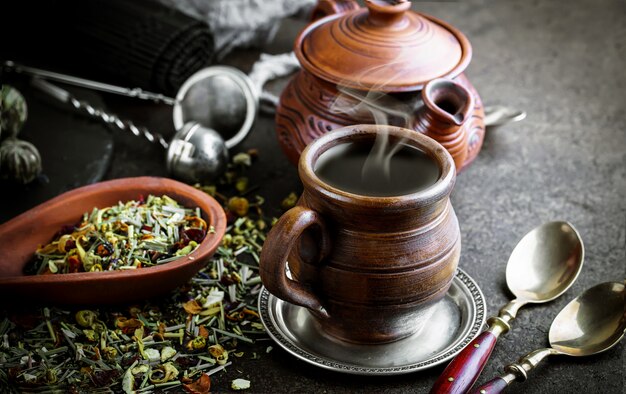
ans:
(385, 110)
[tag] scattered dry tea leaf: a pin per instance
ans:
(128, 325)
(201, 386)
(192, 307)
(219, 353)
(203, 332)
(240, 384)
(167, 353)
(163, 373)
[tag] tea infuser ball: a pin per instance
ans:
(20, 161)
(220, 98)
(196, 153)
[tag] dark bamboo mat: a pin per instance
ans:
(138, 43)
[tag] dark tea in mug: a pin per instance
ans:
(354, 167)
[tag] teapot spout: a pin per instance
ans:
(447, 108)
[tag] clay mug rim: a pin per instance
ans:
(313, 183)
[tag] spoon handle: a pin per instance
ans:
(462, 372)
(516, 371)
(494, 386)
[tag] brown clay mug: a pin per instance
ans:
(369, 269)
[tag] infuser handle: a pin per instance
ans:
(460, 375)
(97, 113)
(276, 249)
(89, 84)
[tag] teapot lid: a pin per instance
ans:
(385, 47)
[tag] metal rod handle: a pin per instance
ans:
(97, 113)
(86, 83)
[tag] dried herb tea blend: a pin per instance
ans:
(194, 340)
(125, 236)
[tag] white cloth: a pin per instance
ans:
(240, 23)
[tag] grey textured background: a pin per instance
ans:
(562, 62)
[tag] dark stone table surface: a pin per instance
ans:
(563, 63)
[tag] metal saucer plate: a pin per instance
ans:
(457, 320)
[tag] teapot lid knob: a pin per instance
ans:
(387, 12)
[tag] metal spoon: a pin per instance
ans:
(591, 323)
(543, 265)
(497, 115)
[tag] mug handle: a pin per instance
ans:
(275, 252)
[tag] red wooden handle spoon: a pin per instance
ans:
(591, 323)
(543, 265)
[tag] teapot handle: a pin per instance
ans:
(276, 248)
(330, 7)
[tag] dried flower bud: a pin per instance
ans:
(197, 343)
(91, 335)
(239, 240)
(239, 206)
(219, 353)
(242, 159)
(86, 318)
(51, 376)
(289, 201)
(241, 184)
(109, 353)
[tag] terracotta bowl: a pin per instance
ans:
(20, 237)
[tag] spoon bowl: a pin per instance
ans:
(545, 263)
(593, 322)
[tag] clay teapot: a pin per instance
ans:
(382, 64)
